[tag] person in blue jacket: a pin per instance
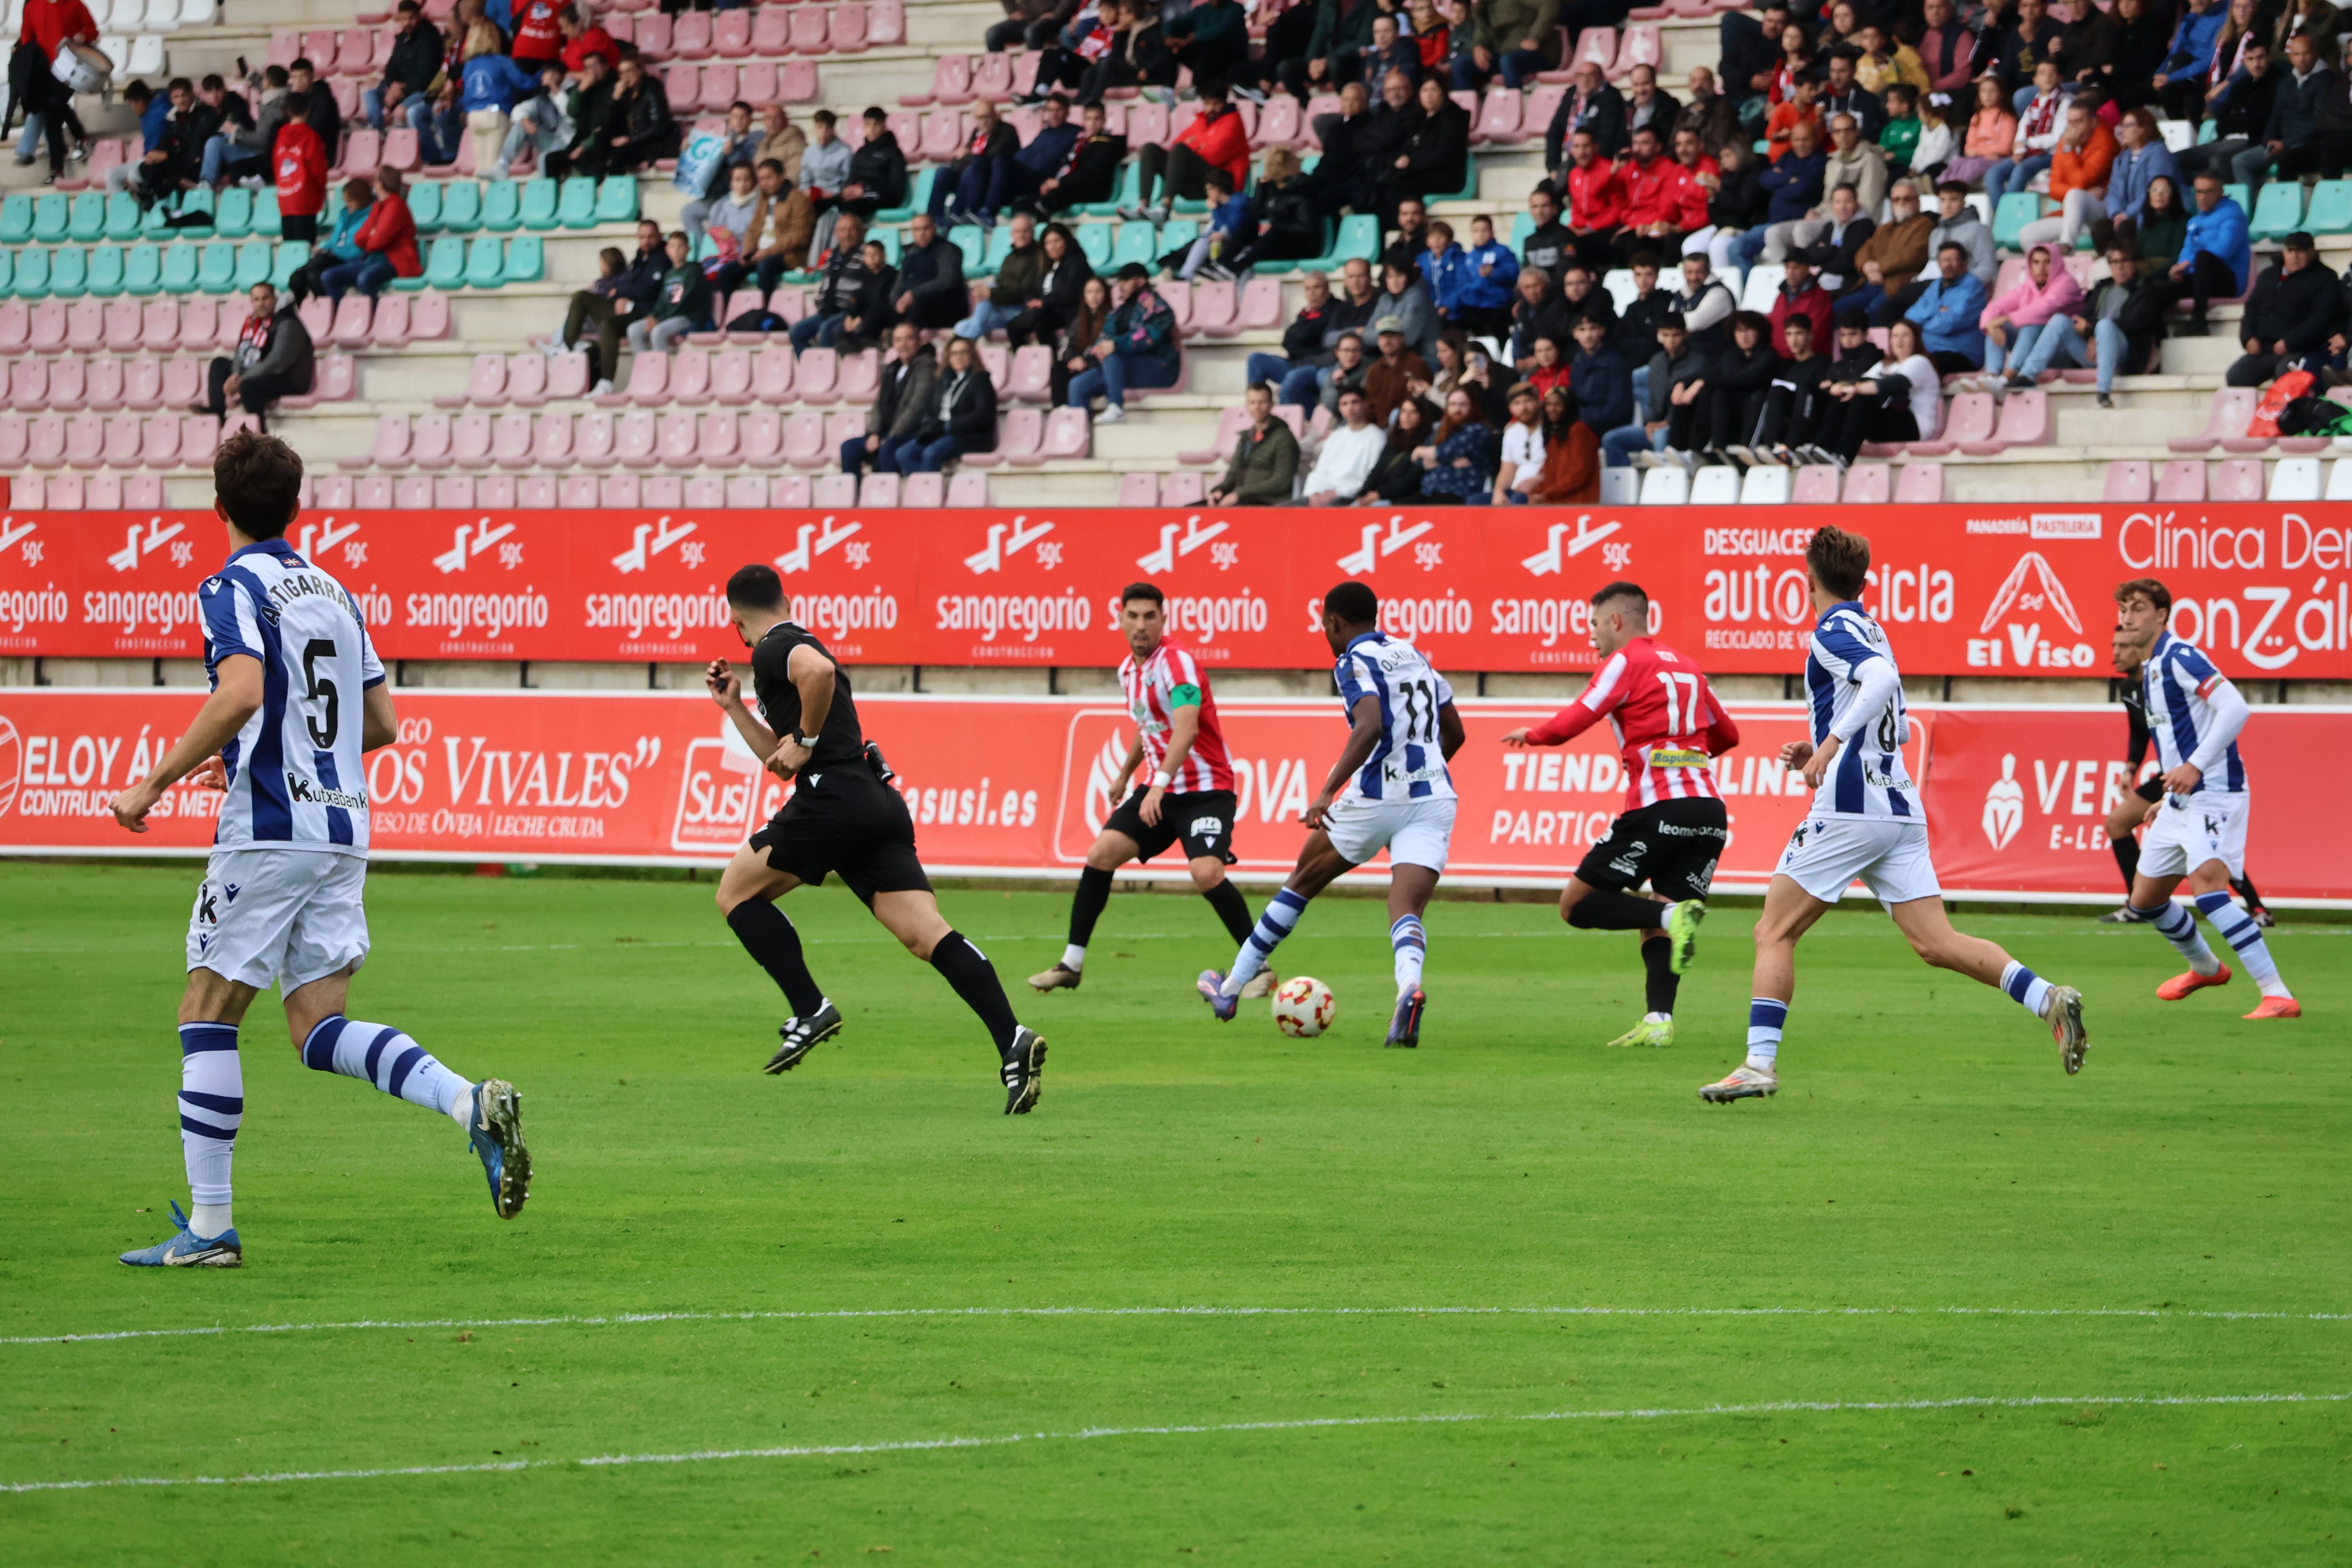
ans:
(1948, 315)
(1599, 379)
(1446, 271)
(2180, 81)
(494, 84)
(1494, 274)
(2216, 257)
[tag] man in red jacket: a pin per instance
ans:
(582, 39)
(1215, 140)
(537, 33)
(49, 26)
(1596, 201)
(299, 161)
(1799, 295)
(1663, 202)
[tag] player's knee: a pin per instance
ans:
(1206, 878)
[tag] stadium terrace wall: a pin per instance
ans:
(1017, 787)
(1964, 590)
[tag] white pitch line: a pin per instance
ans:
(621, 1319)
(1092, 1434)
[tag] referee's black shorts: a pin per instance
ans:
(1203, 820)
(1673, 846)
(847, 822)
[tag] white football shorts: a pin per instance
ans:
(2190, 829)
(1827, 853)
(1415, 832)
(287, 916)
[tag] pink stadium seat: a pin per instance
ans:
(760, 438)
(928, 491)
(886, 21)
(1919, 484)
(65, 493)
(796, 80)
(371, 492)
(1279, 124)
(620, 492)
(17, 325)
(690, 375)
(849, 36)
(1817, 485)
(401, 150)
(552, 440)
(1019, 433)
(705, 493)
(992, 77)
(363, 153)
(1261, 304)
(721, 86)
(1967, 417)
(746, 492)
(183, 381)
(1146, 122)
(578, 492)
(1069, 433)
(527, 380)
(393, 325)
(683, 83)
(453, 492)
(843, 425)
(12, 437)
(674, 439)
(44, 441)
(353, 318)
(428, 441)
(1139, 488)
(2024, 422)
(808, 32)
(730, 376)
(968, 487)
(718, 438)
(318, 313)
(689, 35)
(772, 30)
(1597, 44)
(567, 375)
(636, 436)
(878, 492)
(86, 441)
(1179, 295)
(389, 449)
(199, 435)
(804, 440)
(772, 372)
(2127, 481)
(648, 383)
(1867, 484)
(950, 83)
(837, 492)
(106, 385)
(69, 384)
(1641, 46)
(28, 385)
(535, 492)
(730, 34)
(1230, 424)
(330, 492)
(85, 325)
(1215, 308)
(205, 321)
(662, 492)
(791, 490)
(997, 361)
(1024, 72)
(2234, 478)
(907, 127)
(653, 36)
(2225, 420)
(485, 384)
(860, 377)
(510, 440)
(143, 382)
(816, 375)
(1032, 377)
(1180, 490)
(428, 317)
(942, 135)
(122, 440)
(104, 493)
(49, 326)
(495, 492)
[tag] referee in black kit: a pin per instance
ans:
(844, 816)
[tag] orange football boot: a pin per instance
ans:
(2180, 985)
(2277, 1008)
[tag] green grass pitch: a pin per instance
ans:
(1422, 1230)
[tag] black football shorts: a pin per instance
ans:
(847, 822)
(1203, 820)
(1673, 846)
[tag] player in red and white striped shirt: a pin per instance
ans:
(1185, 790)
(1669, 727)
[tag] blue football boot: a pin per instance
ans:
(496, 1136)
(189, 1250)
(1210, 985)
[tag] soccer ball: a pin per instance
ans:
(1303, 1008)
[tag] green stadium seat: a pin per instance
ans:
(526, 260)
(87, 220)
(486, 262)
(893, 243)
(1469, 191)
(156, 222)
(616, 199)
(17, 219)
(2278, 212)
(424, 205)
(1275, 267)
(179, 268)
(2242, 195)
(574, 206)
(1094, 243)
(919, 197)
(32, 273)
(999, 246)
(968, 238)
(1130, 189)
(233, 218)
(216, 266)
(266, 221)
(50, 218)
(1187, 207)
(1135, 243)
(105, 270)
(538, 210)
(253, 264)
(200, 200)
(2017, 209)
(1177, 236)
(142, 268)
(7, 273)
(2331, 207)
(1522, 226)
(503, 207)
(1358, 239)
(2206, 132)
(68, 272)
(291, 255)
(444, 265)
(461, 206)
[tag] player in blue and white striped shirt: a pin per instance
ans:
(2198, 831)
(1398, 796)
(1865, 822)
(297, 696)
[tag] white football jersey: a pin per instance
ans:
(1867, 778)
(1407, 763)
(2178, 679)
(296, 778)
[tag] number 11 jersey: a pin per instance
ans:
(1407, 763)
(296, 778)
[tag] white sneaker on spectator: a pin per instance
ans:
(1112, 414)
(604, 387)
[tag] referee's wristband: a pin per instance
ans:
(1162, 780)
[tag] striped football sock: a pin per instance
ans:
(1767, 1016)
(2239, 929)
(212, 1107)
(2176, 925)
(393, 1062)
(1412, 945)
(2025, 988)
(1282, 912)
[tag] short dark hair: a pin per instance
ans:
(1134, 590)
(767, 163)
(756, 587)
(1852, 320)
(1219, 177)
(1951, 244)
(1841, 561)
(876, 112)
(1134, 271)
(212, 83)
(181, 84)
(301, 63)
(1648, 259)
(138, 93)
(1673, 320)
(1798, 322)
(359, 191)
(1952, 188)
(271, 76)
(824, 117)
(2147, 588)
(1620, 589)
(740, 104)
(258, 479)
(1353, 603)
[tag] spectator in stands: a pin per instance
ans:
(1549, 366)
(2079, 168)
(1028, 23)
(232, 119)
(1956, 224)
(727, 224)
(2295, 141)
(1547, 245)
(1596, 201)
(1792, 401)
(971, 189)
(2016, 49)
(240, 150)
(905, 392)
(2179, 82)
(1842, 94)
(1412, 225)
(1290, 225)
(1071, 359)
(300, 164)
(1459, 461)
(1799, 295)
(622, 289)
(777, 239)
(1263, 467)
(2240, 30)
(494, 84)
(272, 359)
(584, 104)
(340, 247)
(1047, 150)
(1482, 303)
(1349, 455)
(1593, 105)
(1391, 52)
(841, 275)
(825, 163)
(1634, 333)
(1304, 345)
(1888, 260)
(1737, 202)
(318, 105)
(786, 142)
(2240, 117)
(582, 39)
(1647, 106)
(1704, 305)
(1404, 297)
(2126, 48)
(1138, 348)
(682, 306)
(1949, 312)
(2140, 161)
(387, 241)
(1572, 466)
(2215, 255)
(1352, 313)
(1898, 139)
(871, 314)
(932, 289)
(1350, 368)
(1443, 271)
(1664, 203)
(540, 122)
(1793, 188)
(170, 160)
(1020, 277)
(1901, 400)
(47, 26)
(2114, 335)
(2296, 306)
(1389, 378)
(1125, 47)
(1053, 303)
(1460, 364)
(1343, 30)
(1947, 51)
(878, 170)
(958, 417)
(1706, 113)
(1801, 107)
(1749, 54)
(1229, 227)
(739, 146)
(1466, 42)
(1521, 38)
(1991, 137)
(2014, 317)
(537, 31)
(1852, 160)
(1599, 379)
(1212, 39)
(1886, 63)
(1722, 410)
(2162, 231)
(143, 100)
(1834, 250)
(1354, 142)
(636, 127)
(1088, 170)
(1396, 477)
(1520, 458)
(1215, 138)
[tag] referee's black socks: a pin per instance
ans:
(1606, 909)
(769, 937)
(967, 969)
(1232, 909)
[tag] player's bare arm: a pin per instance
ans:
(1450, 732)
(234, 702)
(1816, 768)
(1184, 729)
(811, 674)
(1794, 753)
(379, 724)
(1365, 734)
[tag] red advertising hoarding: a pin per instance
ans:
(1963, 590)
(1005, 787)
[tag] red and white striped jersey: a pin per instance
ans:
(1148, 687)
(1667, 720)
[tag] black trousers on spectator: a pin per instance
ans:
(1039, 325)
(2208, 278)
(1290, 70)
(2183, 98)
(1218, 62)
(1285, 55)
(301, 226)
(732, 275)
(603, 158)
(1789, 416)
(1846, 426)
(1627, 244)
(1492, 323)
(2325, 157)
(1013, 30)
(1949, 363)
(1178, 171)
(255, 393)
(1096, 79)
(1596, 252)
(1889, 311)
(2253, 369)
(589, 310)
(304, 280)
